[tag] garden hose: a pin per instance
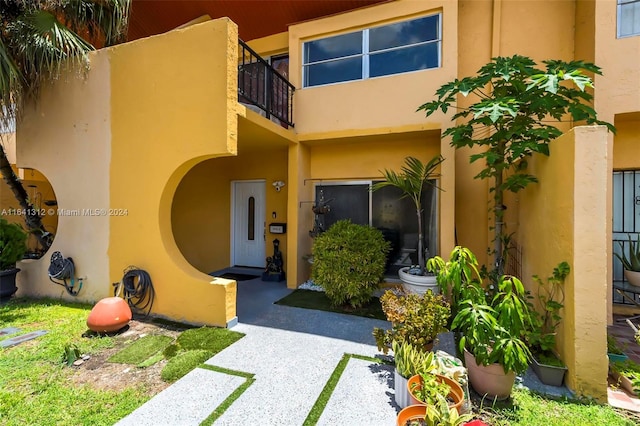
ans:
(63, 269)
(138, 289)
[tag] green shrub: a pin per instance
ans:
(13, 244)
(349, 262)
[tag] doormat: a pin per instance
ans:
(7, 331)
(19, 339)
(238, 277)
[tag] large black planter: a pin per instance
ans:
(8, 283)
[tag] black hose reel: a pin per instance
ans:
(62, 269)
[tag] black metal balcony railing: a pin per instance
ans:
(261, 85)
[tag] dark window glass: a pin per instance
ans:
(346, 202)
(333, 47)
(333, 72)
(395, 217)
(251, 222)
(404, 60)
(404, 33)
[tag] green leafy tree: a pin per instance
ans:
(36, 38)
(513, 116)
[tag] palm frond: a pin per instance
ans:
(104, 21)
(11, 83)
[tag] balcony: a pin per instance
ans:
(264, 88)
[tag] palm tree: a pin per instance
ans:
(412, 179)
(36, 38)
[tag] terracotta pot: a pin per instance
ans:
(456, 393)
(418, 284)
(109, 314)
(489, 380)
(412, 412)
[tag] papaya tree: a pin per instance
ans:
(516, 107)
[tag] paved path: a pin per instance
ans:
(292, 353)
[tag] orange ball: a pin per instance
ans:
(109, 314)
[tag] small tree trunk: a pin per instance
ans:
(421, 262)
(498, 214)
(32, 218)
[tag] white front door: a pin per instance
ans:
(248, 222)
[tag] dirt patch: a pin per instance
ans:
(98, 373)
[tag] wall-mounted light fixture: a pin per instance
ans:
(278, 185)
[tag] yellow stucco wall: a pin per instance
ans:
(128, 134)
(563, 218)
(169, 113)
(360, 104)
(71, 147)
(489, 28)
(200, 212)
(626, 147)
(617, 92)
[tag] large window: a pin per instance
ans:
(387, 211)
(373, 52)
(628, 18)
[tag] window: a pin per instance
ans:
(384, 209)
(373, 52)
(628, 18)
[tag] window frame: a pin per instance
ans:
(365, 53)
(619, 4)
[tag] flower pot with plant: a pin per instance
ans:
(409, 361)
(627, 376)
(412, 179)
(541, 337)
(614, 351)
(415, 319)
(492, 331)
(13, 246)
(438, 413)
(631, 261)
(426, 386)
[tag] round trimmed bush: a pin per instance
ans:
(349, 262)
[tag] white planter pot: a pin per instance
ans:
(418, 284)
(402, 396)
(632, 277)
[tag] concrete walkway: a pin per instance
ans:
(292, 353)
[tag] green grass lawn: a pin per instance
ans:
(530, 409)
(35, 387)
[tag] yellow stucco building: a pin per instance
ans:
(164, 136)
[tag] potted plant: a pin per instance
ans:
(614, 352)
(631, 261)
(415, 319)
(13, 246)
(491, 341)
(458, 277)
(409, 361)
(627, 376)
(425, 387)
(431, 415)
(412, 179)
(541, 337)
